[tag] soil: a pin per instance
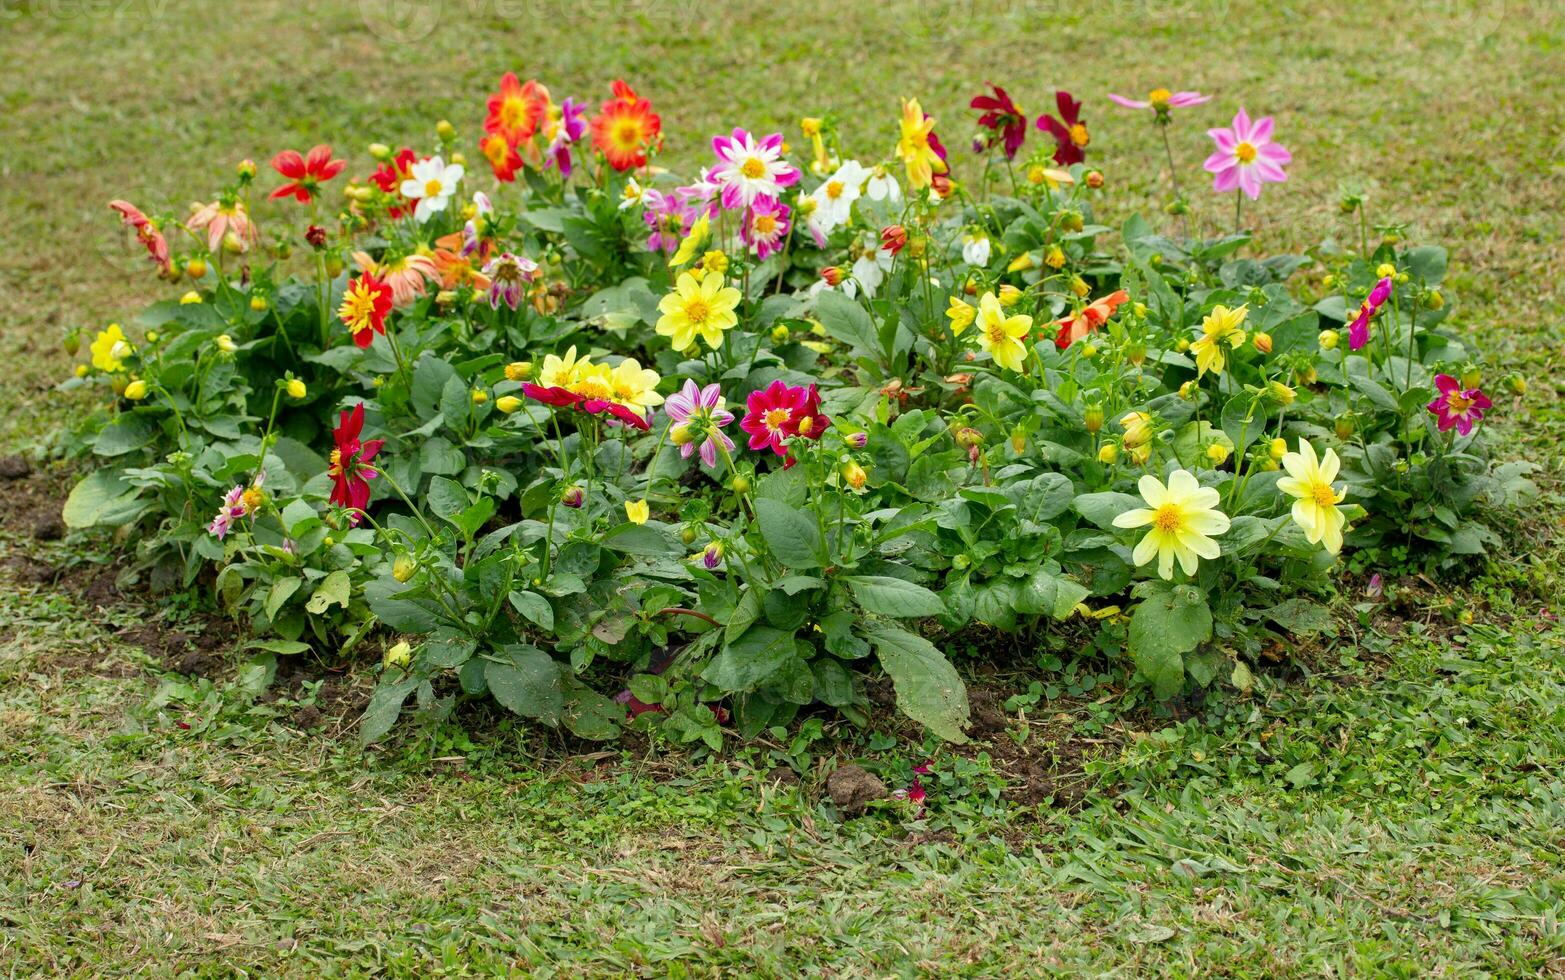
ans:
(852, 789)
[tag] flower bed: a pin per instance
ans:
(616, 448)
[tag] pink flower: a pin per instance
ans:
(766, 226)
(1161, 100)
(667, 219)
(507, 274)
(748, 169)
(1246, 157)
(698, 415)
(1456, 406)
(567, 131)
(772, 416)
(1358, 330)
(221, 217)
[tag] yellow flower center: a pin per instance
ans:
(252, 498)
(336, 462)
(834, 189)
(753, 168)
(1323, 494)
(696, 310)
(431, 188)
(775, 418)
(358, 309)
(806, 424)
(1168, 519)
(765, 224)
(995, 331)
(1459, 403)
(628, 134)
(1159, 98)
(1079, 135)
(1245, 153)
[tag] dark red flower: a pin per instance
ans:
(305, 173)
(893, 238)
(616, 412)
(556, 396)
(350, 470)
(1069, 132)
(1002, 116)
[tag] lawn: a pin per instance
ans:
(1391, 808)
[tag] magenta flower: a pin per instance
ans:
(1246, 157)
(1161, 100)
(749, 168)
(699, 415)
(766, 226)
(1004, 119)
(1358, 330)
(1458, 407)
(1069, 132)
(508, 274)
(568, 130)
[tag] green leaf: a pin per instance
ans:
(1170, 622)
(752, 658)
(528, 683)
(1101, 508)
(893, 596)
(282, 590)
(447, 498)
(1300, 616)
(384, 707)
(641, 539)
(335, 588)
(126, 434)
(102, 497)
(845, 320)
(534, 608)
(928, 688)
(589, 714)
(1048, 594)
(791, 535)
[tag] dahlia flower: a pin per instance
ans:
(1183, 519)
(698, 415)
(748, 169)
(699, 306)
(305, 174)
(1246, 157)
(1315, 509)
(349, 469)
(431, 183)
(1456, 406)
(1069, 132)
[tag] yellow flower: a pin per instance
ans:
(1385, 269)
(1108, 453)
(189, 298)
(1278, 448)
(226, 344)
(258, 303)
(637, 511)
(634, 385)
(480, 396)
(913, 147)
(1020, 263)
(1183, 517)
(81, 370)
(109, 349)
(961, 314)
(1217, 453)
(1055, 258)
(136, 390)
(855, 475)
(715, 261)
(1002, 336)
(508, 403)
(1138, 428)
(296, 388)
(1315, 509)
(558, 372)
(518, 370)
(693, 241)
(1220, 327)
(699, 306)
(1009, 295)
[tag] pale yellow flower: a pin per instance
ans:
(1002, 336)
(1183, 519)
(1220, 327)
(1315, 509)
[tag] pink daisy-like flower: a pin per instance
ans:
(699, 415)
(748, 169)
(508, 274)
(1457, 407)
(565, 132)
(1358, 330)
(1161, 100)
(1246, 157)
(667, 220)
(766, 226)
(772, 416)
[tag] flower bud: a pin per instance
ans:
(1074, 221)
(73, 343)
(1471, 378)
(968, 436)
(1516, 384)
(190, 299)
(858, 440)
(1108, 453)
(1280, 393)
(233, 244)
(1262, 342)
(1385, 269)
(1092, 418)
(403, 568)
(1054, 258)
(508, 403)
(687, 535)
(1009, 295)
(1021, 263)
(1182, 344)
(1136, 353)
(445, 130)
(680, 435)
(334, 265)
(380, 151)
(195, 268)
(1079, 286)
(1188, 390)
(400, 655)
(741, 484)
(296, 388)
(854, 474)
(152, 336)
(118, 382)
(226, 344)
(245, 169)
(1278, 448)
(1328, 281)
(1095, 179)
(573, 497)
(258, 303)
(1328, 340)
(715, 260)
(1140, 454)
(1217, 454)
(480, 396)
(81, 370)
(1434, 300)
(1018, 440)
(519, 370)
(1089, 351)
(893, 238)
(1345, 426)
(831, 276)
(136, 390)
(1138, 428)
(941, 184)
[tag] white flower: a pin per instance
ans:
(632, 195)
(869, 271)
(883, 187)
(432, 183)
(975, 249)
(834, 198)
(751, 168)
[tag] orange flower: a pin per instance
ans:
(626, 128)
(455, 269)
(1073, 328)
(502, 156)
(516, 111)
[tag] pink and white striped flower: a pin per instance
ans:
(749, 169)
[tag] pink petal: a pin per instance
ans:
(1226, 139)
(1180, 100)
(1130, 103)
(1262, 131)
(1269, 171)
(1249, 182)
(1242, 126)
(1220, 161)
(1226, 180)
(1274, 153)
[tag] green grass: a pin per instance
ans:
(1395, 810)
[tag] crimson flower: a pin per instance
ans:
(557, 397)
(350, 470)
(893, 238)
(780, 412)
(364, 308)
(1069, 132)
(1003, 117)
(305, 174)
(1457, 406)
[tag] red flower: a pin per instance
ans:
(517, 110)
(364, 308)
(1003, 117)
(1069, 132)
(893, 238)
(780, 412)
(626, 128)
(147, 233)
(390, 175)
(558, 397)
(305, 174)
(502, 157)
(349, 470)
